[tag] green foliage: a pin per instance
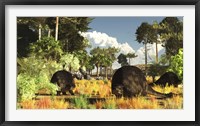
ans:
(81, 102)
(176, 65)
(33, 66)
(43, 82)
(164, 59)
(83, 57)
(69, 32)
(171, 35)
(122, 59)
(28, 31)
(26, 87)
(35, 74)
(131, 55)
(146, 33)
(156, 70)
(47, 48)
(103, 57)
(70, 62)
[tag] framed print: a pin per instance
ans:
(99, 62)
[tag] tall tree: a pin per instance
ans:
(109, 58)
(157, 28)
(171, 35)
(97, 55)
(29, 29)
(145, 33)
(56, 33)
(69, 32)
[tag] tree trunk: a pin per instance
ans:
(49, 33)
(111, 70)
(100, 70)
(97, 69)
(145, 58)
(56, 33)
(106, 72)
(40, 31)
(156, 52)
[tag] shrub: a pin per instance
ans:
(47, 48)
(70, 62)
(176, 65)
(26, 87)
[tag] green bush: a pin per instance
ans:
(33, 66)
(176, 65)
(47, 48)
(26, 87)
(70, 62)
(35, 74)
(43, 82)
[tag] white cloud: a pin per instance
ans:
(98, 39)
(151, 54)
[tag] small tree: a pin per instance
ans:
(122, 59)
(70, 62)
(130, 56)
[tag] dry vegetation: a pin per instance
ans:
(101, 91)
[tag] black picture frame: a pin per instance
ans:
(3, 3)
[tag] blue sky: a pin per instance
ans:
(119, 32)
(122, 28)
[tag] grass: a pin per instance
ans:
(86, 89)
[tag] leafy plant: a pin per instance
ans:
(26, 87)
(42, 82)
(177, 64)
(47, 48)
(33, 66)
(70, 62)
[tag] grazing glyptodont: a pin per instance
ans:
(64, 80)
(129, 81)
(169, 78)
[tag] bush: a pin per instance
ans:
(176, 65)
(26, 87)
(42, 82)
(47, 48)
(70, 62)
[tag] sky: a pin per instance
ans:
(119, 32)
(122, 28)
